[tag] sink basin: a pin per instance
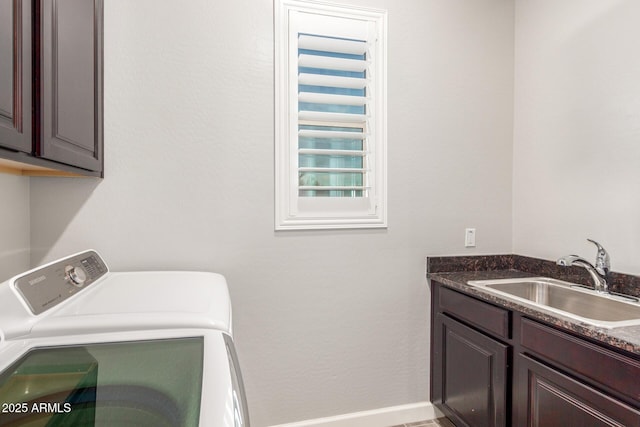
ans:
(568, 299)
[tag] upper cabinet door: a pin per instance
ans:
(69, 47)
(15, 75)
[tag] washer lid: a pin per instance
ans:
(144, 300)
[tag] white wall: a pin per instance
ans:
(14, 225)
(326, 322)
(577, 129)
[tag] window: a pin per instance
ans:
(330, 116)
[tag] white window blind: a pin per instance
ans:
(332, 117)
(330, 112)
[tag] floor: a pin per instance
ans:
(440, 422)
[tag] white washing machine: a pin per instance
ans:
(83, 346)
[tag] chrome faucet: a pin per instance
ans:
(598, 271)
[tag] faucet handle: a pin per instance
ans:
(603, 262)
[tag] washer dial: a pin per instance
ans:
(76, 275)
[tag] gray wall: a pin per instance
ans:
(336, 322)
(14, 225)
(326, 322)
(577, 129)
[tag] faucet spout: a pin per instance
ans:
(598, 272)
(599, 282)
(570, 260)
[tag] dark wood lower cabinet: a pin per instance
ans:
(496, 367)
(473, 381)
(551, 399)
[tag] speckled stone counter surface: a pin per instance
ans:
(455, 272)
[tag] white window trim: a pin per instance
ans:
(291, 211)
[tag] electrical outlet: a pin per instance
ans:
(470, 238)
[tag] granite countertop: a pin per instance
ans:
(626, 338)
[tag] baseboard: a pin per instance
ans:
(383, 417)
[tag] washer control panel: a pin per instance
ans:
(48, 286)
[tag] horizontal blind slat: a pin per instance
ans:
(310, 133)
(317, 116)
(330, 99)
(331, 63)
(332, 81)
(328, 152)
(334, 187)
(330, 44)
(332, 170)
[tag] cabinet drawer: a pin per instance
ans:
(557, 400)
(484, 315)
(617, 373)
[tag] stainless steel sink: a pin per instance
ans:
(571, 300)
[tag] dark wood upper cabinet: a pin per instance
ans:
(51, 93)
(16, 78)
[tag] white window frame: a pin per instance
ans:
(293, 212)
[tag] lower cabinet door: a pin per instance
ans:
(470, 375)
(548, 398)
